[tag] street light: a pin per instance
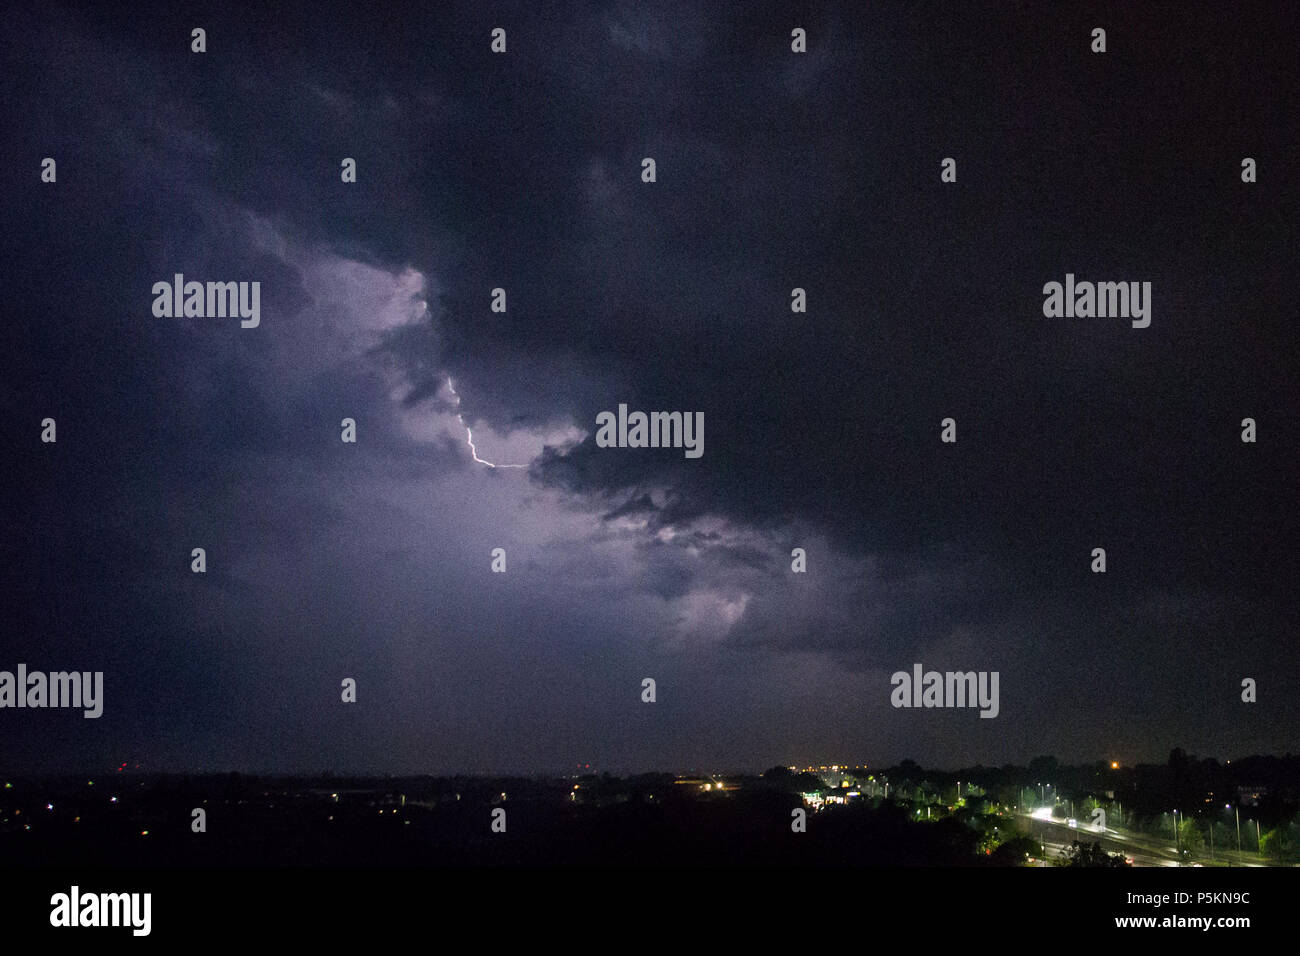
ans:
(1237, 810)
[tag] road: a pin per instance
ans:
(1143, 849)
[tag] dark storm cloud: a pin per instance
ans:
(633, 506)
(925, 302)
(774, 171)
(172, 434)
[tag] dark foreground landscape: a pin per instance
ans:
(1186, 812)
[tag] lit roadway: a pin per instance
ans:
(1142, 849)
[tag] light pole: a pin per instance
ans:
(1236, 810)
(1259, 846)
(1177, 844)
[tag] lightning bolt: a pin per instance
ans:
(469, 435)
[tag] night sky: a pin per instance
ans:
(775, 170)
